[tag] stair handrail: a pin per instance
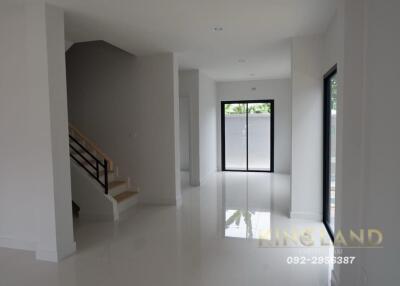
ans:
(91, 145)
(79, 152)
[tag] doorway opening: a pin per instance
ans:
(247, 135)
(329, 155)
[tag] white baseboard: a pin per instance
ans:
(53, 255)
(41, 254)
(13, 243)
(68, 251)
(306, 216)
(46, 255)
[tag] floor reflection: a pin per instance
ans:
(247, 206)
(248, 224)
(212, 239)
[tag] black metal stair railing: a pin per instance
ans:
(93, 167)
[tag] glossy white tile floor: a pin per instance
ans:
(186, 246)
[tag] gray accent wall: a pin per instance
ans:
(129, 106)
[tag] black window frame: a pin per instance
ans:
(327, 149)
(272, 132)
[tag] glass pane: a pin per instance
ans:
(332, 175)
(235, 136)
(259, 124)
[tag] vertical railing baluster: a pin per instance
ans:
(98, 164)
(106, 176)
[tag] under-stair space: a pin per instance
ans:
(98, 192)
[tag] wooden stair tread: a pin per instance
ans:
(123, 196)
(115, 184)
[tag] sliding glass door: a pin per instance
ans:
(247, 135)
(330, 117)
(235, 135)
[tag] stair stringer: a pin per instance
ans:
(89, 195)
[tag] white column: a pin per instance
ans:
(47, 88)
(307, 102)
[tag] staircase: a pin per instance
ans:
(102, 192)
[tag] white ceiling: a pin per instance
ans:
(257, 31)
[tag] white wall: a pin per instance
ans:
(382, 138)
(371, 137)
(89, 196)
(189, 88)
(333, 53)
(18, 227)
(65, 244)
(68, 44)
(307, 102)
(129, 106)
(184, 132)
(201, 93)
(35, 194)
(157, 137)
(280, 91)
(207, 126)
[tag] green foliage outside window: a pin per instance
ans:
(254, 108)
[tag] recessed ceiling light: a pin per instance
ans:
(218, 29)
(241, 60)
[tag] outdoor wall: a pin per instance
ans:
(35, 193)
(236, 141)
(307, 103)
(127, 105)
(280, 91)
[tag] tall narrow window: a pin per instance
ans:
(247, 135)
(330, 117)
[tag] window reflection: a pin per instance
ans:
(248, 224)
